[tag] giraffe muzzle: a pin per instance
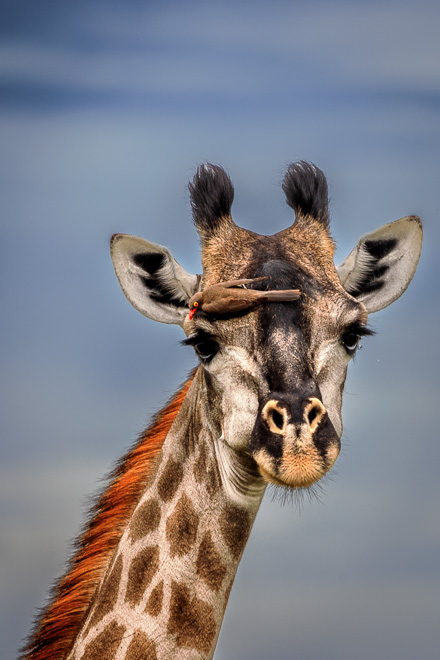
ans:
(293, 441)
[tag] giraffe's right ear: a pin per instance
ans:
(152, 280)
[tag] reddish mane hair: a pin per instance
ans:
(59, 622)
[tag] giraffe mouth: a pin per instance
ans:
(296, 469)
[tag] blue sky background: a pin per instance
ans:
(106, 109)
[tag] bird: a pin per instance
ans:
(232, 297)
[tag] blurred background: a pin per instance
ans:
(106, 109)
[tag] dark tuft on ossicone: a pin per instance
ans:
(305, 187)
(212, 194)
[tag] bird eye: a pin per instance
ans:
(350, 341)
(206, 349)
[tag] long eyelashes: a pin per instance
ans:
(206, 350)
(204, 345)
(352, 336)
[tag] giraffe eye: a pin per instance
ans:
(352, 337)
(204, 345)
(206, 349)
(351, 341)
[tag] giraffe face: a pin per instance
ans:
(273, 374)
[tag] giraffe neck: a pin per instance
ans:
(167, 586)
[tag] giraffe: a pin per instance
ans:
(155, 565)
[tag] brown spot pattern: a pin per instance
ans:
(200, 465)
(141, 648)
(209, 564)
(213, 481)
(205, 472)
(181, 527)
(108, 594)
(191, 620)
(60, 623)
(145, 520)
(105, 644)
(235, 528)
(154, 604)
(141, 572)
(170, 480)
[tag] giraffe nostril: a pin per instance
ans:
(278, 419)
(275, 416)
(313, 413)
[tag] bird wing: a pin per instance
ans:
(228, 305)
(231, 283)
(279, 296)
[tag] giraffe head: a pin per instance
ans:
(274, 372)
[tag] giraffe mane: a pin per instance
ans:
(58, 623)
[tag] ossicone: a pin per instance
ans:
(306, 190)
(212, 193)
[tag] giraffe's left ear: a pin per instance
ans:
(152, 280)
(383, 263)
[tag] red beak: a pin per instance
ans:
(191, 313)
